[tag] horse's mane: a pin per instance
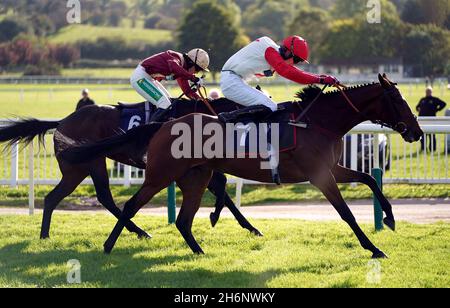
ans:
(309, 93)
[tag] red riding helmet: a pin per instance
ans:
(298, 47)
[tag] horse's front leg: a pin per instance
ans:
(345, 176)
(326, 182)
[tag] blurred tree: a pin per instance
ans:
(271, 18)
(11, 27)
(210, 26)
(64, 55)
(356, 39)
(426, 12)
(140, 8)
(352, 8)
(427, 48)
(152, 20)
(42, 25)
(341, 42)
(313, 24)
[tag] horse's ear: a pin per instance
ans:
(383, 81)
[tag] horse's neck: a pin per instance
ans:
(335, 114)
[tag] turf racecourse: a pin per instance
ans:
(293, 253)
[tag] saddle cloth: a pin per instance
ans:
(244, 137)
(134, 115)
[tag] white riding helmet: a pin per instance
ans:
(200, 58)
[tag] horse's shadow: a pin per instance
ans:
(126, 267)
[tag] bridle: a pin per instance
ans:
(393, 97)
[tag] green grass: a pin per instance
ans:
(75, 33)
(292, 254)
(124, 73)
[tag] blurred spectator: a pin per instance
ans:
(85, 100)
(429, 106)
(214, 94)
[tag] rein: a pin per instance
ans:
(203, 95)
(310, 105)
(342, 88)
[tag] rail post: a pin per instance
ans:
(127, 176)
(172, 203)
(14, 165)
(377, 173)
(239, 186)
(31, 179)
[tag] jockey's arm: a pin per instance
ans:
(179, 71)
(287, 71)
(187, 90)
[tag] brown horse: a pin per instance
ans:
(95, 123)
(314, 159)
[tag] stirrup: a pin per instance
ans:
(298, 124)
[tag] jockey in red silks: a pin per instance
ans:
(169, 65)
(264, 58)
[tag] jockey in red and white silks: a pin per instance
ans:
(264, 58)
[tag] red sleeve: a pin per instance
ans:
(179, 72)
(184, 85)
(287, 71)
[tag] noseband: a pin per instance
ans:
(393, 98)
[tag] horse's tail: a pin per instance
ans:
(25, 130)
(135, 138)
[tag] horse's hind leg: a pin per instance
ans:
(344, 176)
(217, 186)
(142, 197)
(193, 186)
(325, 181)
(68, 184)
(100, 178)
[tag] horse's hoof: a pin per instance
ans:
(214, 219)
(390, 223)
(144, 236)
(380, 255)
(199, 252)
(107, 249)
(257, 233)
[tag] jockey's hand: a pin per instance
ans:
(199, 82)
(329, 80)
(170, 78)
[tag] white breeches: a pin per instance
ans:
(150, 89)
(236, 89)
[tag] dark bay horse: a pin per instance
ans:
(95, 123)
(314, 159)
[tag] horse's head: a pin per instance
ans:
(396, 113)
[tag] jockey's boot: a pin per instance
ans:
(160, 115)
(251, 113)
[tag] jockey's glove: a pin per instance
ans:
(329, 80)
(199, 82)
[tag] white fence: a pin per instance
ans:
(401, 162)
